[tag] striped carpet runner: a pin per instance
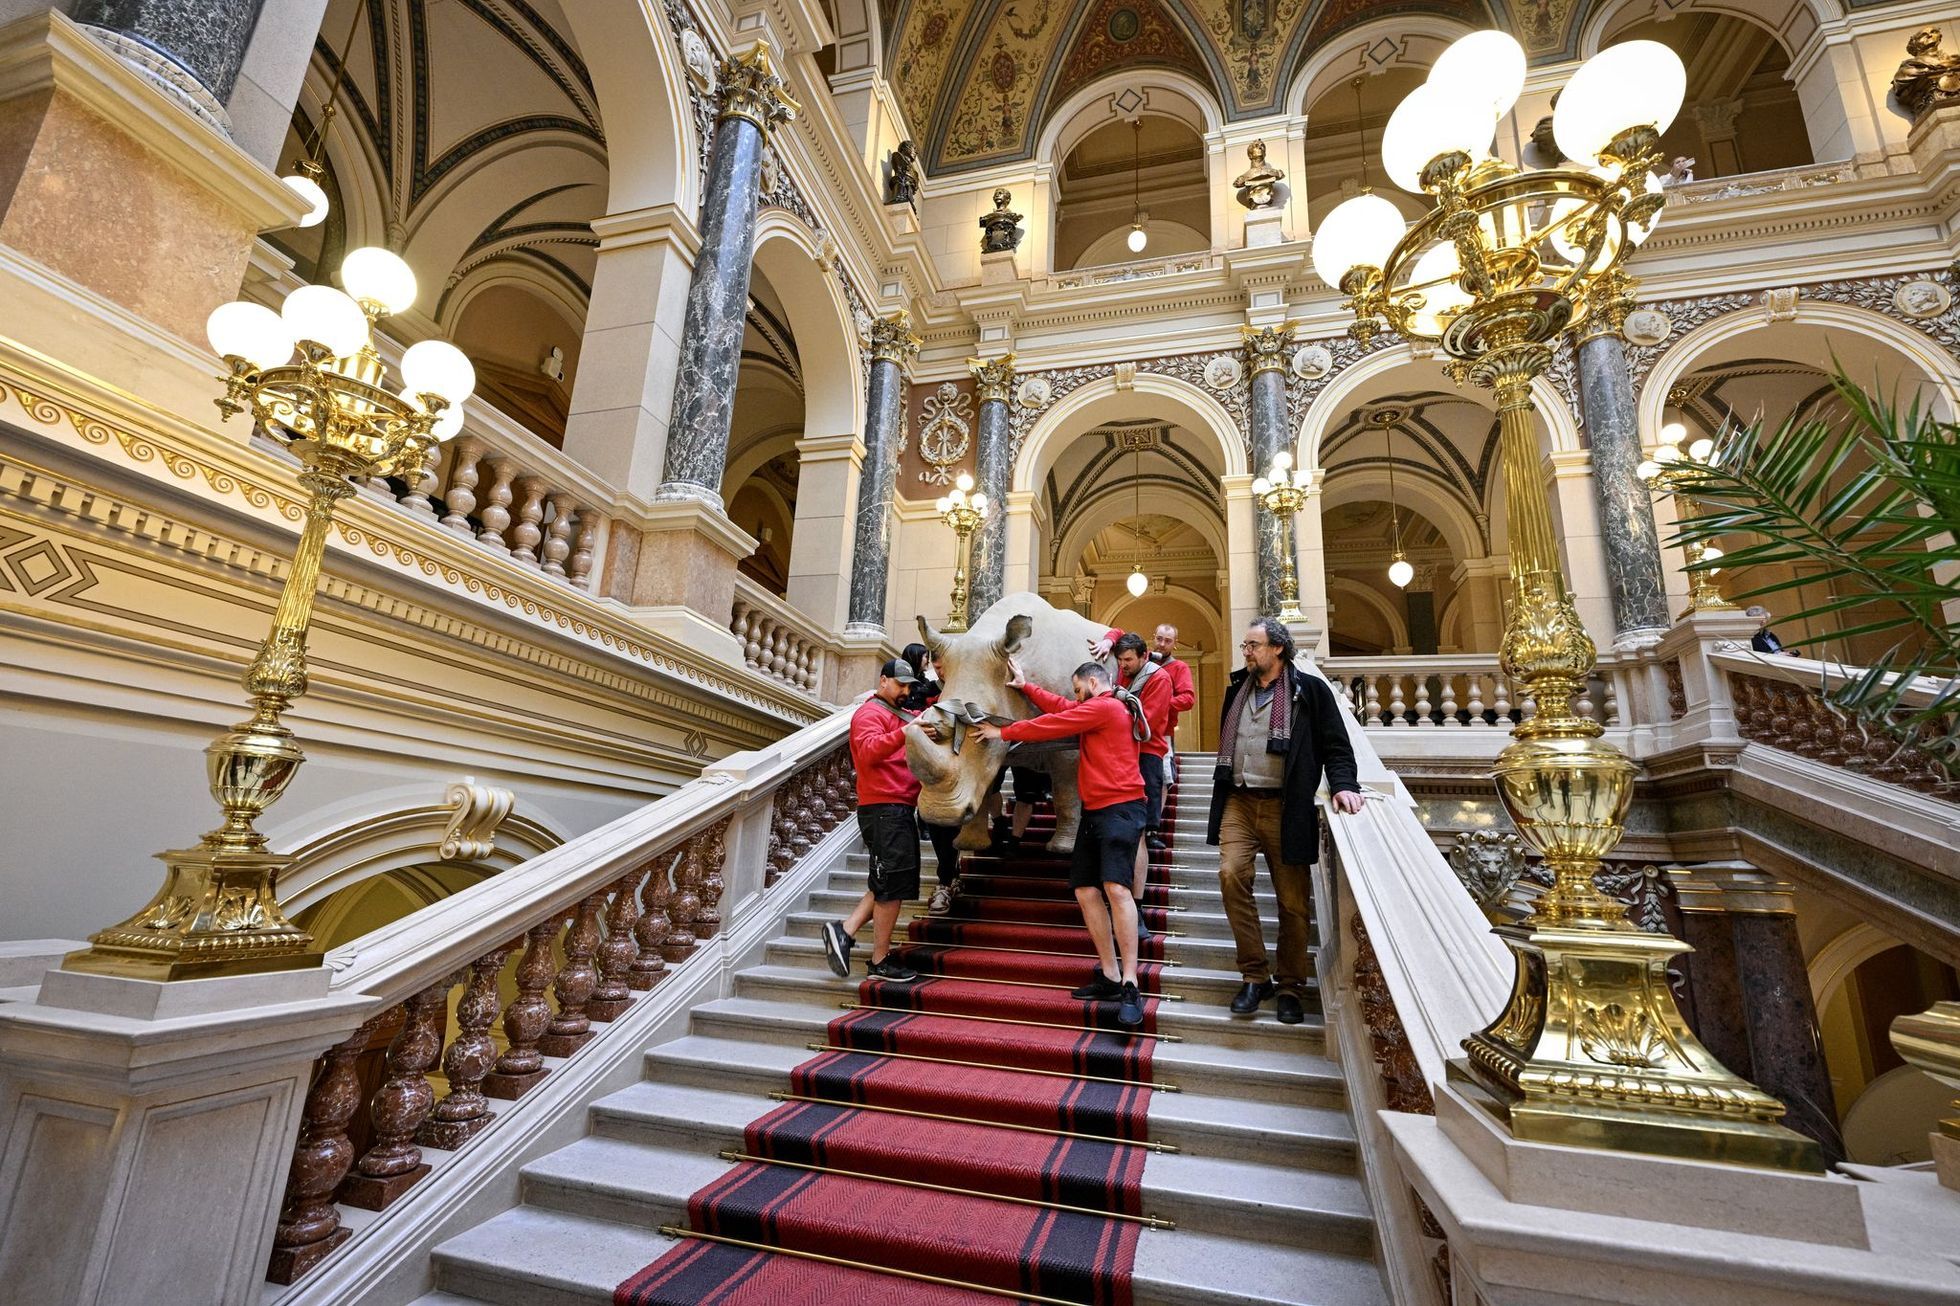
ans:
(975, 1137)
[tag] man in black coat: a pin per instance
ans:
(1279, 729)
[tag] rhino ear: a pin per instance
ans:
(934, 641)
(1018, 630)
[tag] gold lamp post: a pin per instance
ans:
(217, 912)
(1671, 470)
(964, 511)
(1590, 1048)
(1282, 491)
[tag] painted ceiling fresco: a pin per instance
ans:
(977, 79)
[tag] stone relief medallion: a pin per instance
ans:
(1922, 299)
(771, 172)
(1035, 392)
(700, 61)
(947, 433)
(1312, 361)
(1223, 372)
(1646, 327)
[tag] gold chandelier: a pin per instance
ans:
(218, 911)
(1590, 1048)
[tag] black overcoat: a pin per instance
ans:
(1318, 743)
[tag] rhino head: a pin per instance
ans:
(973, 672)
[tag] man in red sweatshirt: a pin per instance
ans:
(888, 799)
(1111, 787)
(1184, 696)
(1152, 686)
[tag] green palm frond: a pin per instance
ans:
(1864, 505)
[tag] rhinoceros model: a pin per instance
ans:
(1050, 644)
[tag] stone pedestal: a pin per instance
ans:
(853, 669)
(1710, 709)
(1265, 227)
(146, 1129)
(118, 186)
(683, 581)
(998, 269)
(820, 546)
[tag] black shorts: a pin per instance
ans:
(1152, 767)
(1030, 785)
(1106, 845)
(891, 836)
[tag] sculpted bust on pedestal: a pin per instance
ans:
(1256, 184)
(1927, 77)
(1000, 231)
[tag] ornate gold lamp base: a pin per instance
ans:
(215, 915)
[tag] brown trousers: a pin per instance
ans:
(1250, 826)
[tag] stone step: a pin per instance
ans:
(1197, 920)
(648, 1179)
(1316, 1132)
(536, 1256)
(1284, 1070)
(1211, 953)
(1200, 891)
(1191, 1022)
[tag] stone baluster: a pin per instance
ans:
(1527, 708)
(309, 1226)
(530, 516)
(708, 850)
(1397, 707)
(579, 569)
(558, 534)
(496, 506)
(471, 1055)
(1584, 704)
(739, 620)
(1449, 700)
(1502, 705)
(422, 482)
(465, 471)
(651, 930)
(1610, 686)
(394, 1163)
(1475, 707)
(1372, 713)
(525, 1019)
(681, 907)
(1422, 702)
(617, 954)
(571, 1028)
(779, 652)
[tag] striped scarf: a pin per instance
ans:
(1278, 724)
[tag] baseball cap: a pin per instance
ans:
(900, 670)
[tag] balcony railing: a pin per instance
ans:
(776, 639)
(1452, 691)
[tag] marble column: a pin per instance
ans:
(1268, 355)
(1749, 998)
(892, 346)
(751, 101)
(1635, 580)
(994, 471)
(192, 48)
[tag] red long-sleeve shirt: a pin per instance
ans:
(1107, 774)
(1184, 694)
(878, 755)
(1156, 697)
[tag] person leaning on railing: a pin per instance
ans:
(1279, 730)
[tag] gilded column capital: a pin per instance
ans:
(1608, 301)
(1266, 348)
(892, 339)
(750, 87)
(995, 377)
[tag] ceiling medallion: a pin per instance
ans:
(1124, 25)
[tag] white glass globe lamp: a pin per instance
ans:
(1137, 583)
(1632, 84)
(963, 482)
(1282, 461)
(310, 191)
(1668, 453)
(1647, 470)
(1483, 66)
(378, 277)
(1444, 298)
(1673, 433)
(1260, 486)
(1702, 450)
(327, 318)
(980, 504)
(1432, 121)
(1138, 238)
(252, 332)
(1400, 573)
(1356, 233)
(942, 504)
(436, 367)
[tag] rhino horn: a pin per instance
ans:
(1019, 627)
(934, 641)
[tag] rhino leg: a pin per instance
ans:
(976, 835)
(1068, 804)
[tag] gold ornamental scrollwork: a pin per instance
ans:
(752, 89)
(1268, 349)
(993, 378)
(892, 340)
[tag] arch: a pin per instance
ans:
(1398, 625)
(1413, 491)
(1177, 402)
(787, 254)
(455, 301)
(761, 449)
(1110, 247)
(1934, 364)
(1794, 22)
(1179, 96)
(1836, 960)
(1418, 40)
(641, 84)
(859, 29)
(1184, 594)
(1449, 625)
(1161, 498)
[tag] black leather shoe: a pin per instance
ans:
(1248, 998)
(1157, 842)
(1289, 1008)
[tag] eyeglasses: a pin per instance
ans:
(1246, 646)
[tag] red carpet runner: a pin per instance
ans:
(936, 1083)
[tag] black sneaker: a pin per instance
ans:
(1100, 989)
(1289, 1009)
(837, 948)
(1157, 842)
(891, 972)
(1129, 1011)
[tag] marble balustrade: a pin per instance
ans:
(1453, 691)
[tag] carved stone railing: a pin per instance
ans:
(1105, 274)
(578, 938)
(1452, 691)
(776, 640)
(1780, 702)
